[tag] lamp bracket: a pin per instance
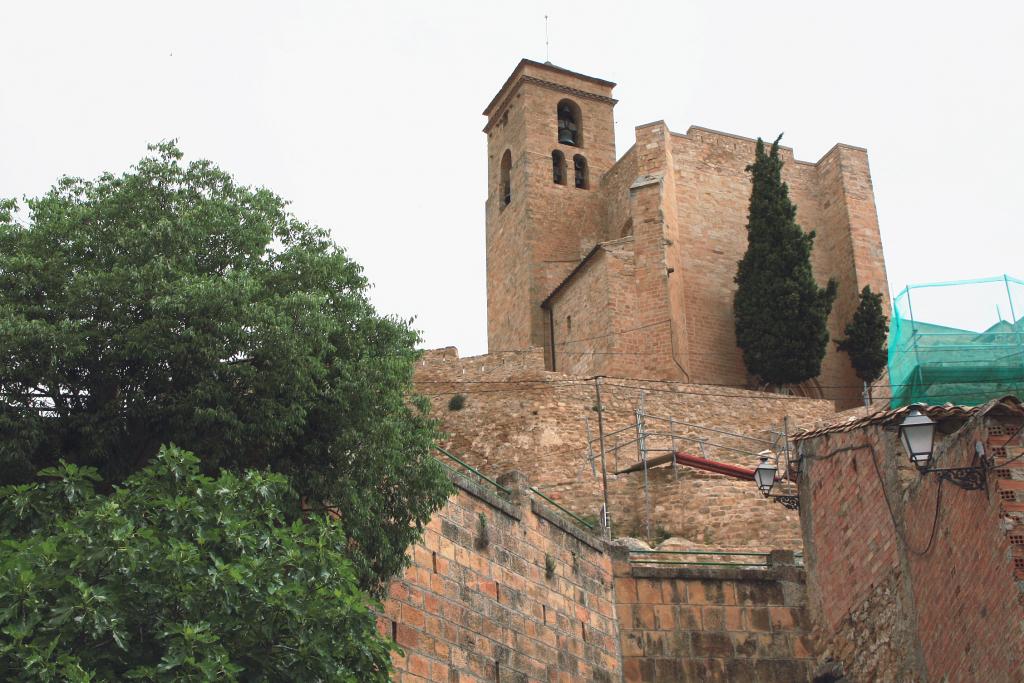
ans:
(789, 502)
(967, 478)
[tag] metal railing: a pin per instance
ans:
(472, 469)
(572, 514)
(579, 520)
(665, 557)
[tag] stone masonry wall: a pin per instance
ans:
(707, 624)
(685, 207)
(911, 579)
(467, 612)
(518, 416)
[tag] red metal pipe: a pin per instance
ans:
(725, 468)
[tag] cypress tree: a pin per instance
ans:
(781, 312)
(866, 334)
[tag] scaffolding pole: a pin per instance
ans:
(606, 518)
(641, 444)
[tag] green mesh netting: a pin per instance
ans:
(958, 342)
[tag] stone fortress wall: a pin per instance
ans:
(518, 416)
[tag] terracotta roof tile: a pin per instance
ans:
(1001, 406)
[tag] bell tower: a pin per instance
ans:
(550, 140)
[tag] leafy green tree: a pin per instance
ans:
(781, 312)
(866, 336)
(178, 576)
(170, 304)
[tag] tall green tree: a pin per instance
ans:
(866, 336)
(781, 312)
(175, 576)
(171, 304)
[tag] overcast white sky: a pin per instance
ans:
(367, 115)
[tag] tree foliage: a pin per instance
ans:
(178, 576)
(171, 304)
(866, 336)
(781, 312)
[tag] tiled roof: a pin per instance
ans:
(1008, 405)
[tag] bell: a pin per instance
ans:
(565, 137)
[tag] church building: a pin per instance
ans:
(624, 266)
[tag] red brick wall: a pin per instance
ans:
(465, 613)
(969, 609)
(934, 579)
(712, 623)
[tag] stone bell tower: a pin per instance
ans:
(550, 140)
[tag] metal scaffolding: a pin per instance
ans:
(651, 433)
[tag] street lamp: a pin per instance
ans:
(764, 477)
(917, 433)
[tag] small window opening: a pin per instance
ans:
(394, 630)
(497, 592)
(558, 167)
(544, 613)
(583, 631)
(433, 561)
(579, 165)
(569, 123)
(506, 178)
(497, 671)
(568, 323)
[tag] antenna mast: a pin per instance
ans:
(547, 50)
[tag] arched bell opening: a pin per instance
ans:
(570, 124)
(558, 167)
(579, 165)
(506, 178)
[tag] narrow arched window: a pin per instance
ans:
(506, 178)
(579, 166)
(570, 124)
(558, 167)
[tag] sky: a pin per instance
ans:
(366, 115)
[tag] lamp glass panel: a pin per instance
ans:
(764, 476)
(917, 439)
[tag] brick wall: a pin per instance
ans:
(926, 591)
(466, 612)
(712, 623)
